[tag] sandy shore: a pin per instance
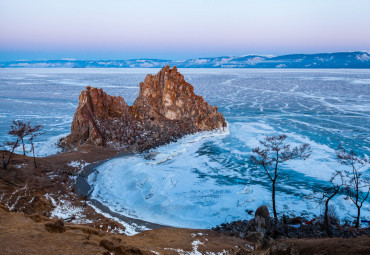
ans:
(83, 188)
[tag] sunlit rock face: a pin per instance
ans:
(166, 109)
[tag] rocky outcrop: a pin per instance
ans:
(166, 109)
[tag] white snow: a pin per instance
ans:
(65, 210)
(80, 164)
(20, 165)
(363, 57)
(249, 246)
(130, 229)
(195, 245)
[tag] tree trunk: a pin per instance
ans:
(11, 154)
(273, 200)
(326, 218)
(24, 150)
(358, 216)
(34, 158)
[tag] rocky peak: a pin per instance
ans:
(101, 104)
(167, 94)
(165, 109)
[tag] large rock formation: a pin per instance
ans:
(166, 109)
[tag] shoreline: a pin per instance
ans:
(84, 189)
(102, 233)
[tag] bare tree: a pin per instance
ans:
(4, 149)
(34, 132)
(357, 186)
(13, 146)
(275, 151)
(20, 130)
(328, 193)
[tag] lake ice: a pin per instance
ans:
(206, 179)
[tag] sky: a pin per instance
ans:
(179, 29)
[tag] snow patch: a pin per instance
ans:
(65, 210)
(130, 229)
(80, 164)
(195, 244)
(21, 165)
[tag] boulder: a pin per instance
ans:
(166, 109)
(262, 219)
(262, 212)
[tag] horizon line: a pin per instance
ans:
(164, 59)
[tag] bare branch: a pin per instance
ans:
(274, 151)
(354, 180)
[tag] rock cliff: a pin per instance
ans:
(166, 109)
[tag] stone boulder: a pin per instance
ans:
(165, 110)
(262, 219)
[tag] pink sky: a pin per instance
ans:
(115, 29)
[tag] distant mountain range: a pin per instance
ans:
(358, 59)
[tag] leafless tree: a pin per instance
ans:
(273, 152)
(20, 130)
(357, 186)
(34, 132)
(4, 149)
(13, 146)
(324, 196)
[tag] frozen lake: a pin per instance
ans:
(206, 179)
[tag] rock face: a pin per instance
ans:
(166, 109)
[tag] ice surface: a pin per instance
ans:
(181, 187)
(203, 180)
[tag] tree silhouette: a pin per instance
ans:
(324, 196)
(357, 186)
(273, 152)
(34, 132)
(20, 130)
(13, 146)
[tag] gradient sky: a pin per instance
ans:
(174, 29)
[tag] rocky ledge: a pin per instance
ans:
(165, 110)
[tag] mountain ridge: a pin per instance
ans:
(356, 59)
